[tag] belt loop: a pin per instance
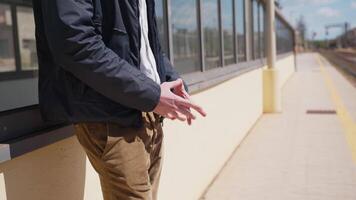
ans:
(149, 117)
(161, 119)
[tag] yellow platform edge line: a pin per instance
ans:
(344, 116)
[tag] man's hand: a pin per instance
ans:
(176, 105)
(180, 91)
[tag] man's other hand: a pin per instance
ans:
(180, 91)
(175, 103)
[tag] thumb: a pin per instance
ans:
(175, 83)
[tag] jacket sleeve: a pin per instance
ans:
(171, 74)
(78, 49)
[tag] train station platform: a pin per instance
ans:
(306, 152)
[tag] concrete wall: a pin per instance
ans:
(193, 155)
(286, 69)
(57, 172)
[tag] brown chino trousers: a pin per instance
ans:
(128, 160)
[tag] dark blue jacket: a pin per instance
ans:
(89, 61)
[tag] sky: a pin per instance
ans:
(319, 13)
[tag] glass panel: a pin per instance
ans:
(262, 31)
(284, 37)
(277, 27)
(16, 93)
(185, 32)
(256, 33)
(227, 18)
(27, 41)
(7, 51)
(290, 46)
(211, 34)
(161, 25)
(240, 30)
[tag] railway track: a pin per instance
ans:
(344, 61)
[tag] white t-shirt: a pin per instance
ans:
(148, 63)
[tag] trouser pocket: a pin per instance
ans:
(128, 160)
(92, 137)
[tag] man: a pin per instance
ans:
(101, 68)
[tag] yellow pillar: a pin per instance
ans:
(271, 91)
(271, 86)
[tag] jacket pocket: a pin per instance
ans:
(97, 16)
(120, 30)
(118, 25)
(120, 43)
(98, 28)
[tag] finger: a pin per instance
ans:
(186, 95)
(182, 86)
(189, 121)
(200, 110)
(175, 83)
(181, 91)
(189, 118)
(184, 102)
(178, 116)
(182, 117)
(170, 116)
(186, 111)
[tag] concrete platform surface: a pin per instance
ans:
(294, 155)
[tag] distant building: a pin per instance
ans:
(351, 37)
(345, 40)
